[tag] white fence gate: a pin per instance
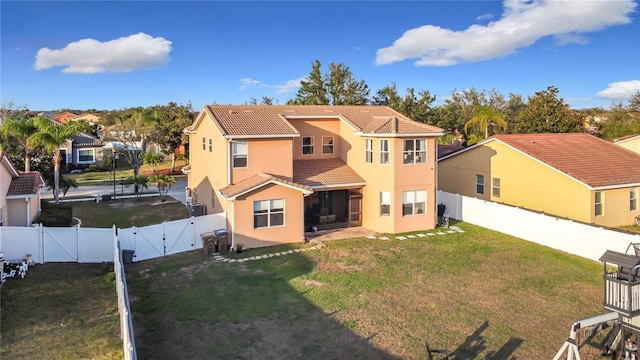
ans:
(580, 239)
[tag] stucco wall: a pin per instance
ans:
(633, 144)
(18, 214)
(5, 181)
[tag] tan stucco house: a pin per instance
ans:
(630, 142)
(279, 171)
(19, 194)
(575, 176)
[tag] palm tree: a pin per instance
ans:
(152, 159)
(51, 135)
(163, 182)
(486, 116)
(22, 130)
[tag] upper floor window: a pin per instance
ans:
(210, 145)
(384, 151)
(414, 202)
(307, 145)
(480, 184)
(633, 199)
(240, 154)
(368, 151)
(599, 202)
(268, 213)
(495, 187)
(327, 144)
(414, 151)
(204, 143)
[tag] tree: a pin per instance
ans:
(51, 135)
(546, 113)
(512, 110)
(163, 183)
(66, 183)
(485, 118)
(171, 122)
(139, 182)
(337, 87)
(152, 159)
(634, 102)
(20, 130)
(462, 105)
(415, 107)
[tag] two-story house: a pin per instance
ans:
(575, 176)
(278, 171)
(629, 142)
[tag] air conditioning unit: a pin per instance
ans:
(196, 209)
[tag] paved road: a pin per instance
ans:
(176, 191)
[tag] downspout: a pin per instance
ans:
(28, 211)
(229, 162)
(233, 217)
(435, 174)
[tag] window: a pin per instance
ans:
(210, 145)
(598, 203)
(414, 202)
(204, 144)
(480, 184)
(414, 151)
(327, 144)
(384, 151)
(85, 156)
(495, 187)
(368, 151)
(240, 154)
(268, 213)
(307, 145)
(385, 204)
(633, 199)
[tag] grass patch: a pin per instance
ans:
(478, 293)
(61, 311)
(125, 213)
(123, 171)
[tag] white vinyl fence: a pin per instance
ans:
(576, 238)
(92, 245)
(126, 321)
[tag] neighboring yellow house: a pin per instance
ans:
(279, 171)
(631, 142)
(575, 176)
(19, 194)
(88, 117)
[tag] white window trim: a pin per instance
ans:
(414, 152)
(368, 150)
(234, 154)
(311, 146)
(388, 152)
(382, 202)
(478, 176)
(413, 210)
(596, 203)
(93, 151)
(633, 199)
(269, 213)
(332, 145)
(494, 187)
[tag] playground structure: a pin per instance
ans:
(622, 298)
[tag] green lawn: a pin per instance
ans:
(481, 294)
(61, 311)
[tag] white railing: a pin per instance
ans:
(126, 323)
(619, 292)
(588, 241)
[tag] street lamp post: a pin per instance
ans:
(114, 159)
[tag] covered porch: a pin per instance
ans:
(332, 209)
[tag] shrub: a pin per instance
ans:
(55, 215)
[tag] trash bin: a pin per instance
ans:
(222, 239)
(208, 243)
(106, 198)
(127, 256)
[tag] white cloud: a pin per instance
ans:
(287, 87)
(484, 17)
(523, 22)
(620, 90)
(90, 56)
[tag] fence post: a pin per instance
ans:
(41, 243)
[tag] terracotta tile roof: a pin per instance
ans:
(257, 181)
(591, 160)
(25, 184)
(325, 173)
(262, 120)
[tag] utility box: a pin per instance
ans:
(196, 209)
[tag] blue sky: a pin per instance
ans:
(113, 55)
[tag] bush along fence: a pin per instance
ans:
(587, 241)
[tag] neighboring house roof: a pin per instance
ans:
(25, 185)
(590, 160)
(257, 181)
(7, 164)
(86, 140)
(237, 121)
(626, 138)
(444, 150)
(325, 173)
